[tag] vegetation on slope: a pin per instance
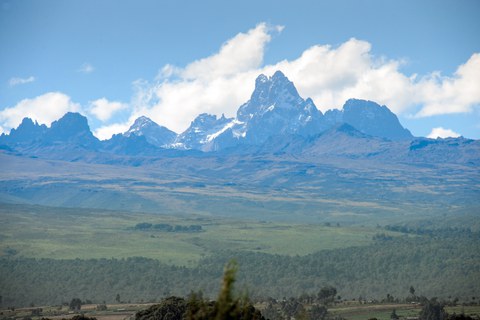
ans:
(442, 266)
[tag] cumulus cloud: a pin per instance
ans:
(216, 84)
(240, 54)
(329, 75)
(17, 80)
(107, 131)
(103, 109)
(86, 68)
(44, 109)
(442, 133)
(456, 94)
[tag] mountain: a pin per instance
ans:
(72, 128)
(274, 109)
(27, 132)
(275, 120)
(450, 150)
(373, 119)
(155, 134)
(370, 118)
(278, 158)
(133, 144)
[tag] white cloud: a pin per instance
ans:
(103, 109)
(442, 133)
(242, 53)
(44, 109)
(329, 75)
(106, 132)
(216, 84)
(220, 83)
(17, 80)
(86, 68)
(457, 94)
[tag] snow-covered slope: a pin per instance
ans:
(202, 132)
(274, 108)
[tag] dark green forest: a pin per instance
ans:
(442, 264)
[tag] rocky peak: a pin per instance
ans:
(206, 121)
(27, 131)
(203, 126)
(154, 133)
(143, 121)
(72, 127)
(71, 124)
(275, 91)
(373, 119)
(140, 124)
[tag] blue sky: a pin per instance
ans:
(172, 60)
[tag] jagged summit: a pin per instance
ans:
(70, 130)
(276, 91)
(26, 132)
(27, 123)
(275, 108)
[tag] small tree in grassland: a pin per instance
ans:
(412, 290)
(75, 304)
(433, 310)
(394, 315)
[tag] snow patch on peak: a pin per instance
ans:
(140, 123)
(214, 135)
(261, 79)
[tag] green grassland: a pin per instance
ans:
(257, 187)
(350, 310)
(65, 233)
(354, 311)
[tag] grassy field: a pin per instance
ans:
(349, 310)
(43, 232)
(354, 311)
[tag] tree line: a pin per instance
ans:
(165, 227)
(442, 267)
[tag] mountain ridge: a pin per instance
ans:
(274, 116)
(155, 134)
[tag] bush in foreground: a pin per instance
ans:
(197, 308)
